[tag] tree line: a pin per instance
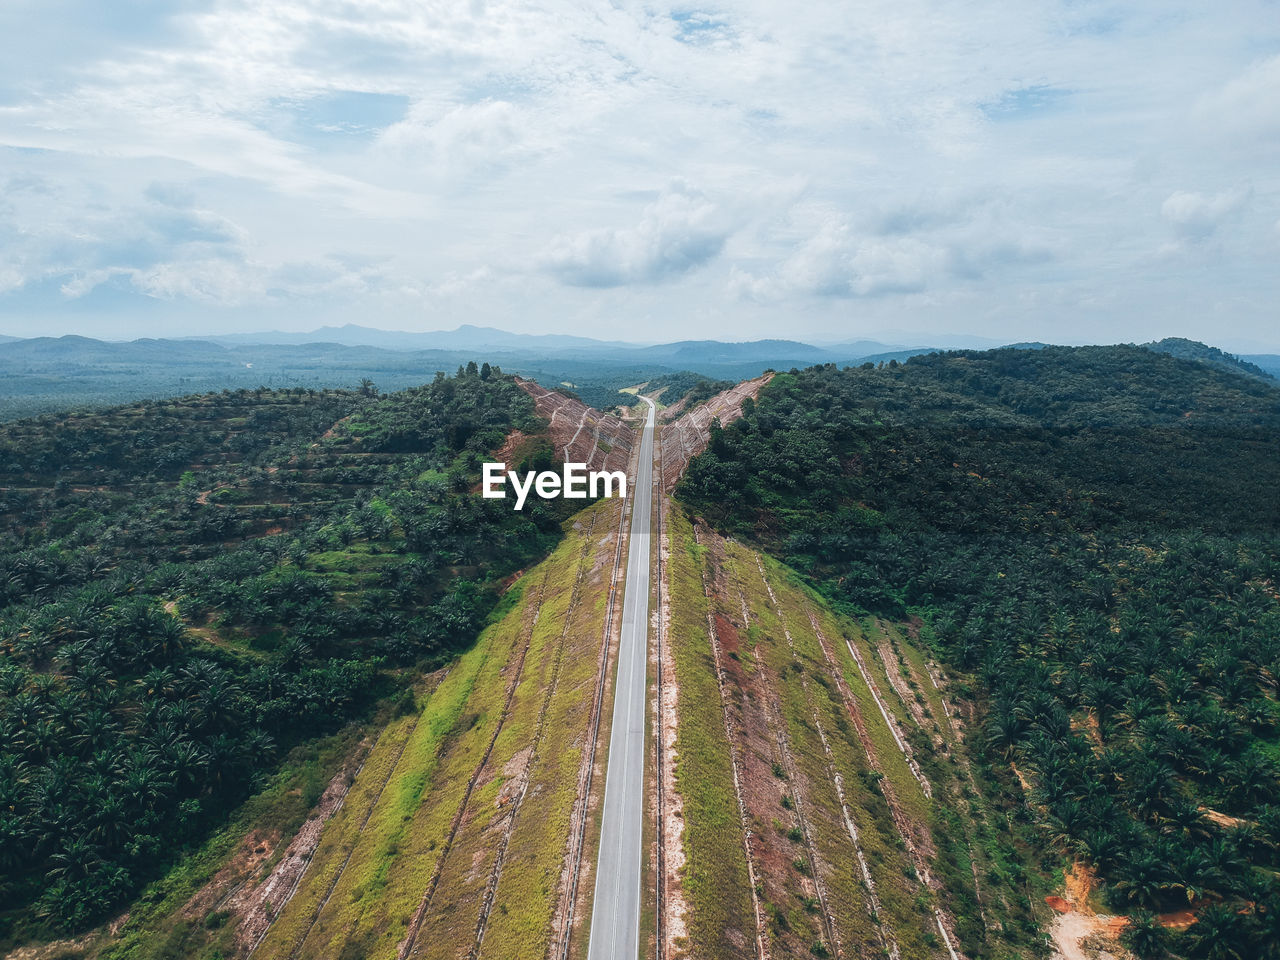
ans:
(191, 588)
(1094, 535)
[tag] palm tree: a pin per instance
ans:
(1224, 866)
(1143, 880)
(75, 860)
(1219, 934)
(1191, 867)
(1136, 711)
(1182, 819)
(1101, 846)
(1144, 936)
(1253, 780)
(15, 843)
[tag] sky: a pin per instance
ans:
(1068, 170)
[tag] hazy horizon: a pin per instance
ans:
(888, 339)
(1081, 172)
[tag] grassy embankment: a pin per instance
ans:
(715, 881)
(968, 831)
(809, 696)
(366, 885)
(980, 841)
(522, 812)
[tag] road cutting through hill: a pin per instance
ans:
(615, 915)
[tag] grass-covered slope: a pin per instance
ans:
(823, 780)
(190, 588)
(1094, 533)
(455, 830)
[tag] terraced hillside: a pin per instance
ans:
(687, 433)
(454, 833)
(826, 803)
(194, 592)
(886, 746)
(1090, 535)
(582, 434)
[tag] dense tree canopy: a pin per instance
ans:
(1095, 533)
(190, 587)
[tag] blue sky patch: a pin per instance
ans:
(697, 26)
(1023, 102)
(338, 114)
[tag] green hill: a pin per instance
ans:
(191, 588)
(1194, 350)
(1093, 534)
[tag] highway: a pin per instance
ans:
(615, 911)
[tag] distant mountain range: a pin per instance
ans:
(356, 344)
(51, 373)
(721, 358)
(465, 337)
(490, 340)
(475, 341)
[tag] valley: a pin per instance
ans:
(854, 730)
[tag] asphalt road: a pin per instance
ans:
(615, 911)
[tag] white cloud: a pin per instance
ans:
(464, 138)
(913, 248)
(11, 278)
(215, 282)
(484, 159)
(1246, 106)
(679, 232)
(835, 262)
(1196, 216)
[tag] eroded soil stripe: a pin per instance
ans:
(893, 673)
(954, 747)
(582, 422)
(373, 802)
(875, 910)
(918, 859)
(297, 881)
(793, 772)
(890, 720)
(753, 872)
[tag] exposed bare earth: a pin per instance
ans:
(688, 436)
(582, 434)
(53, 950)
(1079, 937)
(258, 903)
(672, 905)
(1076, 931)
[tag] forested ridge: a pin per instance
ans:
(190, 588)
(1093, 534)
